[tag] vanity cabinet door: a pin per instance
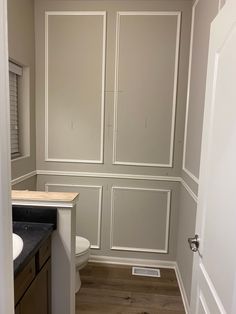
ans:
(17, 309)
(37, 299)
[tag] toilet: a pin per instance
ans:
(82, 250)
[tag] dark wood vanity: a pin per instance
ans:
(33, 283)
(32, 268)
(44, 276)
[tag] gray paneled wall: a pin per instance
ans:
(111, 87)
(75, 65)
(112, 80)
(186, 228)
(140, 219)
(125, 218)
(203, 12)
(143, 47)
(21, 44)
(88, 210)
(147, 49)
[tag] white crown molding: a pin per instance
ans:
(77, 13)
(116, 87)
(137, 249)
(188, 172)
(108, 175)
(24, 177)
(99, 222)
(182, 289)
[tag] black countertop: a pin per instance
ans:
(33, 235)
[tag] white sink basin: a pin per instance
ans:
(17, 245)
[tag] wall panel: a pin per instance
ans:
(140, 219)
(88, 210)
(147, 49)
(186, 229)
(74, 84)
(202, 15)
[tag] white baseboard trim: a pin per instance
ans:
(132, 261)
(24, 177)
(182, 289)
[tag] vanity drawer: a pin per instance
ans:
(44, 253)
(24, 279)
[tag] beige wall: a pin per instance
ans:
(112, 126)
(22, 51)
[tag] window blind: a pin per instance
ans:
(14, 72)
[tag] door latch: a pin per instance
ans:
(194, 243)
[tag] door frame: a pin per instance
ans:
(6, 265)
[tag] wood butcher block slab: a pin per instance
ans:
(38, 198)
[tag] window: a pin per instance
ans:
(19, 86)
(15, 72)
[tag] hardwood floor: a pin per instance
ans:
(111, 289)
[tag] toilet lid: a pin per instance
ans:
(81, 245)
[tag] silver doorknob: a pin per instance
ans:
(194, 243)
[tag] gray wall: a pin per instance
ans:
(21, 42)
(115, 223)
(117, 124)
(202, 15)
(26, 184)
(186, 228)
(203, 12)
(110, 117)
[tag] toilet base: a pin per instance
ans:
(77, 281)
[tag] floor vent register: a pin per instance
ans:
(145, 271)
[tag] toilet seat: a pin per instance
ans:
(82, 246)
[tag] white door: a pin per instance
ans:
(214, 273)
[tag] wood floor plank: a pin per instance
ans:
(128, 285)
(124, 272)
(112, 289)
(117, 297)
(110, 309)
